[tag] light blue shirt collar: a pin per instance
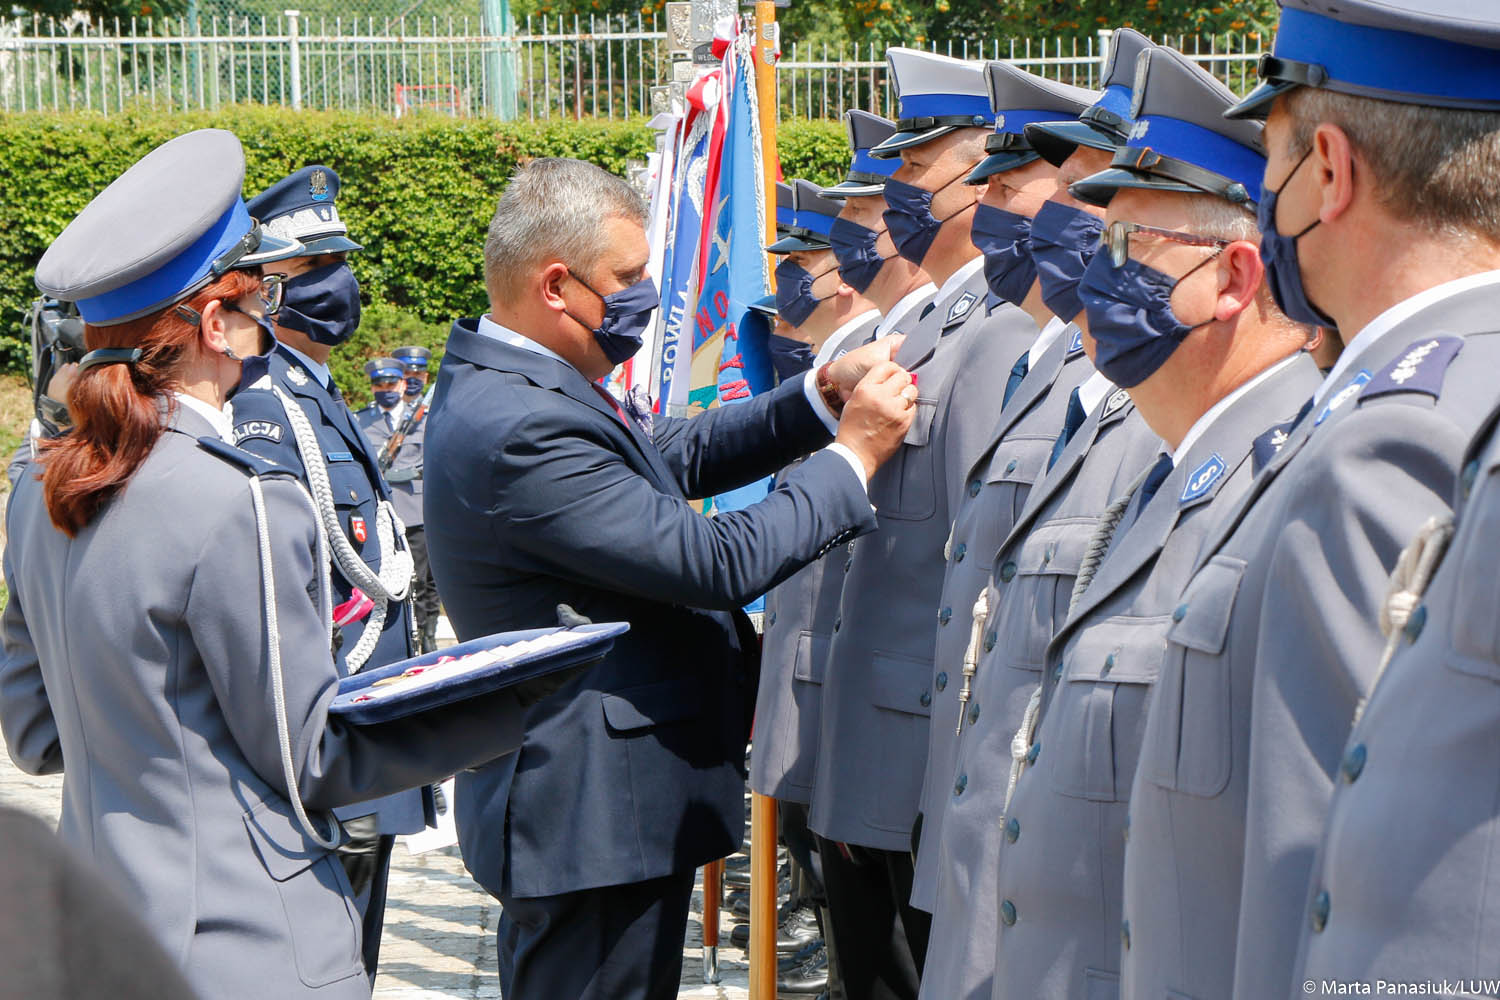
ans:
(489, 328)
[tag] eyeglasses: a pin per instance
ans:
(272, 291)
(1116, 239)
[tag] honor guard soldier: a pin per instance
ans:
(868, 260)
(873, 732)
(1099, 447)
(1378, 219)
(295, 417)
(190, 715)
(406, 416)
(1016, 183)
(1180, 317)
(832, 318)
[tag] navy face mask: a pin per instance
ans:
(1131, 319)
(626, 314)
(854, 246)
(414, 386)
(908, 216)
(1063, 241)
(1279, 254)
(256, 365)
(789, 357)
(1004, 238)
(387, 398)
(322, 303)
(795, 301)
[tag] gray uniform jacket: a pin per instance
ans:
(798, 624)
(1016, 457)
(876, 692)
(137, 655)
(1060, 866)
(1278, 643)
(1405, 887)
(405, 474)
(1030, 579)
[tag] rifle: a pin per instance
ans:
(409, 424)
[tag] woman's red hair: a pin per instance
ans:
(117, 409)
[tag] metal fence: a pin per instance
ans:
(546, 68)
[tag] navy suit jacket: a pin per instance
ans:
(539, 494)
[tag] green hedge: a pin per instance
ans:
(418, 193)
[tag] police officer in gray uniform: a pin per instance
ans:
(1181, 318)
(876, 696)
(189, 713)
(1016, 183)
(1280, 636)
(403, 474)
(868, 260)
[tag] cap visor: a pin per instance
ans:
(1257, 103)
(271, 248)
(998, 163)
(766, 305)
(1098, 189)
(792, 244)
(892, 147)
(331, 244)
(848, 189)
(1055, 141)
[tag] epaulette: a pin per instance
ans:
(253, 464)
(1265, 447)
(1421, 368)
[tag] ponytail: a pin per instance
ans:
(118, 409)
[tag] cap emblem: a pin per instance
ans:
(318, 185)
(1139, 130)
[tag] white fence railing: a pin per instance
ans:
(547, 68)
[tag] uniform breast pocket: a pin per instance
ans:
(350, 484)
(905, 488)
(322, 925)
(1033, 601)
(1093, 727)
(1188, 737)
(898, 689)
(1015, 465)
(1476, 624)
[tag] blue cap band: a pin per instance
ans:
(1014, 122)
(946, 105)
(167, 283)
(385, 374)
(1116, 100)
(1201, 147)
(1385, 62)
(784, 217)
(813, 222)
(866, 163)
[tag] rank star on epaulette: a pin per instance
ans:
(1201, 479)
(960, 307)
(297, 375)
(1421, 369)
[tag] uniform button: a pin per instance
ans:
(960, 784)
(1007, 571)
(974, 713)
(1353, 763)
(974, 488)
(945, 616)
(1125, 934)
(1012, 830)
(989, 641)
(1470, 473)
(926, 700)
(1179, 612)
(1109, 663)
(1319, 915)
(352, 495)
(1415, 622)
(942, 680)
(838, 623)
(848, 565)
(1010, 466)
(1034, 752)
(771, 619)
(1008, 913)
(1047, 556)
(958, 552)
(1057, 672)
(851, 548)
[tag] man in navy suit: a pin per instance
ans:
(542, 490)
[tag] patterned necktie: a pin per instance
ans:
(1017, 375)
(1071, 423)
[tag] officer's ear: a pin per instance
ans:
(1239, 272)
(213, 327)
(552, 278)
(844, 291)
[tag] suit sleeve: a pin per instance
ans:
(25, 713)
(579, 511)
(336, 764)
(730, 446)
(1345, 523)
(261, 427)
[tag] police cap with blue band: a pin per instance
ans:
(1106, 123)
(165, 228)
(385, 370)
(412, 358)
(937, 94)
(765, 305)
(785, 209)
(812, 219)
(1181, 140)
(1018, 99)
(301, 207)
(867, 175)
(1438, 53)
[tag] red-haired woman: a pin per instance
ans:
(166, 643)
